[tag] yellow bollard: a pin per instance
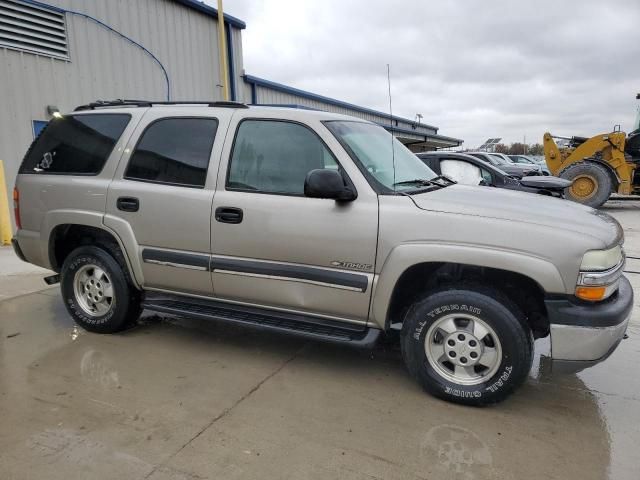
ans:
(5, 222)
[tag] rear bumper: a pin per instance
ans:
(27, 246)
(18, 250)
(585, 334)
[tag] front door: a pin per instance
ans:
(274, 247)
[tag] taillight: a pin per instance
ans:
(16, 207)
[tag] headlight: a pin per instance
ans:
(600, 273)
(599, 260)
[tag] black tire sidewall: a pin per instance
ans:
(514, 336)
(605, 183)
(116, 318)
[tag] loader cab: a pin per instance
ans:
(632, 144)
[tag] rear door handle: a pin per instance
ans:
(128, 204)
(228, 215)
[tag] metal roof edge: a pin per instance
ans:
(434, 136)
(322, 98)
(212, 12)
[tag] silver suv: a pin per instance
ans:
(319, 225)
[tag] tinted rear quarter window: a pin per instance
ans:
(175, 151)
(75, 144)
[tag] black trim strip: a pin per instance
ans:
(203, 261)
(198, 260)
(345, 279)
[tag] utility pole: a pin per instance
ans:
(222, 48)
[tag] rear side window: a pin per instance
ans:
(174, 151)
(75, 144)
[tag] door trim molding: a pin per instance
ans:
(279, 271)
(192, 261)
(286, 271)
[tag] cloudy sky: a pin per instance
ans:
(476, 69)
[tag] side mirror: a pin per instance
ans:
(325, 183)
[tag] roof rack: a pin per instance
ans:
(151, 103)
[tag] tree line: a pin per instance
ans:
(519, 148)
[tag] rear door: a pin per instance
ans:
(162, 192)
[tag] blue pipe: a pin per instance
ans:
(111, 29)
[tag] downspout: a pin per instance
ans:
(222, 49)
(230, 58)
(254, 94)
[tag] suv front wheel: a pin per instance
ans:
(96, 291)
(469, 346)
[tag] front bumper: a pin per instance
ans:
(584, 334)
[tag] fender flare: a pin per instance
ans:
(84, 218)
(404, 256)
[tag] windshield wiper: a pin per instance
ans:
(423, 181)
(418, 181)
(446, 179)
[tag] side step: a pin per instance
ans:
(301, 325)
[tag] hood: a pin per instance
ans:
(519, 170)
(522, 207)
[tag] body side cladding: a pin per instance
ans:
(203, 261)
(296, 272)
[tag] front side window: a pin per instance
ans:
(271, 156)
(387, 160)
(75, 144)
(175, 151)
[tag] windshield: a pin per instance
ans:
(636, 125)
(371, 144)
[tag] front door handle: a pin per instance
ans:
(229, 214)
(128, 204)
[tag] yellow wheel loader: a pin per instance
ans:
(598, 166)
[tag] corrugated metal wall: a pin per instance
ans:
(103, 65)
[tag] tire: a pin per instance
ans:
(592, 183)
(508, 340)
(97, 291)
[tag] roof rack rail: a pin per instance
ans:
(151, 103)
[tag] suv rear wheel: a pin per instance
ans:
(97, 292)
(469, 346)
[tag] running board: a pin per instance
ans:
(295, 324)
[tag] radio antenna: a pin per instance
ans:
(393, 150)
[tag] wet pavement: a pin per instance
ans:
(181, 399)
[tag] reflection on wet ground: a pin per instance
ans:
(181, 399)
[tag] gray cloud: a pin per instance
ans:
(475, 69)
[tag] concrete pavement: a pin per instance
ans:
(18, 277)
(182, 399)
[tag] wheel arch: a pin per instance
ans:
(411, 270)
(65, 237)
